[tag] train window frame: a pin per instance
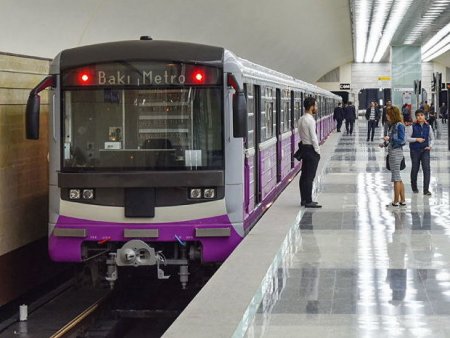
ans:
(250, 96)
(285, 113)
(268, 115)
(96, 168)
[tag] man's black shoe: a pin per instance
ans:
(416, 191)
(312, 205)
(427, 193)
(304, 203)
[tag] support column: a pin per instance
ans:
(406, 67)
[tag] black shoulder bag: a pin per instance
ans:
(298, 155)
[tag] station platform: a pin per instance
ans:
(354, 268)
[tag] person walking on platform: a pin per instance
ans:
(395, 141)
(380, 113)
(311, 152)
(372, 117)
(432, 120)
(350, 117)
(338, 116)
(420, 137)
(384, 120)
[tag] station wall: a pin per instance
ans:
(23, 179)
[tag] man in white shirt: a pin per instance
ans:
(310, 152)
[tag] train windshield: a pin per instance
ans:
(179, 128)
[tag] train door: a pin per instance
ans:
(252, 187)
(285, 134)
(292, 126)
(297, 113)
(278, 113)
(302, 99)
(317, 117)
(257, 126)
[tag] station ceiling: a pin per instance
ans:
(305, 38)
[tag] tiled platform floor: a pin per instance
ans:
(359, 269)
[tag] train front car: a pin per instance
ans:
(137, 155)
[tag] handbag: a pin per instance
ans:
(298, 155)
(402, 163)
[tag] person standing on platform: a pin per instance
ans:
(395, 142)
(350, 117)
(384, 120)
(420, 137)
(426, 109)
(372, 117)
(338, 116)
(443, 112)
(311, 152)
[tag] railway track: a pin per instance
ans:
(137, 307)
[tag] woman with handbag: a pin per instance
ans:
(395, 141)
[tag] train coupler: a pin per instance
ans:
(138, 253)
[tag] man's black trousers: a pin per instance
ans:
(309, 168)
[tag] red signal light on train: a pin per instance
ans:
(85, 77)
(199, 76)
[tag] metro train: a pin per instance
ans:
(163, 153)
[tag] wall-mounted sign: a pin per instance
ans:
(344, 86)
(384, 78)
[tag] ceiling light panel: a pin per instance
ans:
(362, 17)
(435, 55)
(435, 40)
(399, 10)
(437, 7)
(381, 13)
(438, 46)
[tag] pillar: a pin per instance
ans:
(406, 67)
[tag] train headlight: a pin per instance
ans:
(195, 193)
(74, 194)
(88, 194)
(209, 193)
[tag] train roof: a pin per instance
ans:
(174, 51)
(252, 70)
(141, 50)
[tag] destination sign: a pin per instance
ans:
(142, 74)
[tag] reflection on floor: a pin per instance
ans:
(358, 269)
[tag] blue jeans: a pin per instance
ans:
(420, 157)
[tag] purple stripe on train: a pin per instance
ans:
(214, 249)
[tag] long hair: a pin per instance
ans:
(394, 114)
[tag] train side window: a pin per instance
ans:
(269, 119)
(249, 93)
(297, 107)
(268, 115)
(285, 112)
